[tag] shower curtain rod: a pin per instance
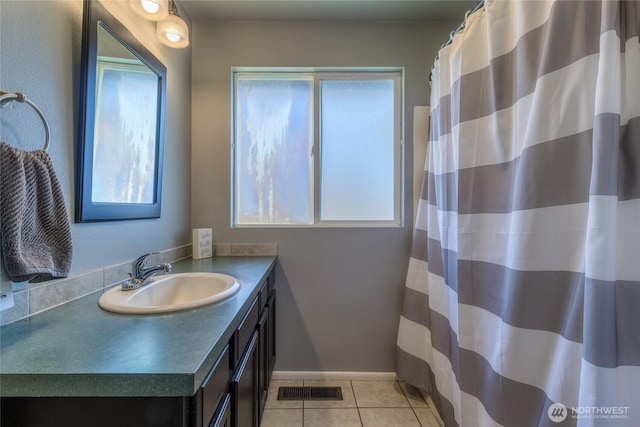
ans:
(460, 27)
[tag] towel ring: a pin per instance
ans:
(7, 97)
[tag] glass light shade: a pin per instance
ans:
(173, 32)
(153, 10)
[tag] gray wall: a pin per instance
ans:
(40, 46)
(339, 290)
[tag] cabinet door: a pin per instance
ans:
(244, 387)
(263, 357)
(271, 332)
(93, 411)
(213, 390)
(223, 415)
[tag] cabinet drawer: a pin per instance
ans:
(263, 295)
(215, 386)
(265, 290)
(271, 280)
(243, 334)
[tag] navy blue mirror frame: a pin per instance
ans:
(87, 210)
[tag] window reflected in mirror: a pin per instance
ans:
(125, 122)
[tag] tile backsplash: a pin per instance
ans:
(245, 249)
(32, 298)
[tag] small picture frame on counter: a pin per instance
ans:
(202, 243)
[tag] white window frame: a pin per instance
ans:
(388, 73)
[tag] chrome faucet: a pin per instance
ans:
(141, 274)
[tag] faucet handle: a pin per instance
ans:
(141, 263)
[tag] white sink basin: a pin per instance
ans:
(169, 293)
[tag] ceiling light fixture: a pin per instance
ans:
(173, 31)
(153, 10)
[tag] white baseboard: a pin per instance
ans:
(334, 375)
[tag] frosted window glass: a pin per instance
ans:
(357, 150)
(273, 141)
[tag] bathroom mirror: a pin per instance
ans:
(120, 140)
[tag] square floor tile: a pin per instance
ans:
(379, 394)
(413, 395)
(348, 401)
(272, 395)
(281, 418)
(388, 417)
(426, 417)
(332, 417)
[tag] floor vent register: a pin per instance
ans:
(309, 393)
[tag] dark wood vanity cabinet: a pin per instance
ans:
(267, 336)
(254, 341)
(223, 416)
(95, 411)
(267, 349)
(233, 394)
(208, 406)
(252, 358)
(244, 387)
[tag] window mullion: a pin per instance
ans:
(316, 149)
(400, 150)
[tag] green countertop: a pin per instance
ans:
(77, 349)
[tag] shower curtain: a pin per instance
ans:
(522, 300)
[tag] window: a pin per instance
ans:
(317, 148)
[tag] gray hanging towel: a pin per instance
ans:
(34, 225)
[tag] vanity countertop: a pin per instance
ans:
(77, 349)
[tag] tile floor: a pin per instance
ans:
(364, 404)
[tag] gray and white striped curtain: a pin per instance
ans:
(522, 303)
